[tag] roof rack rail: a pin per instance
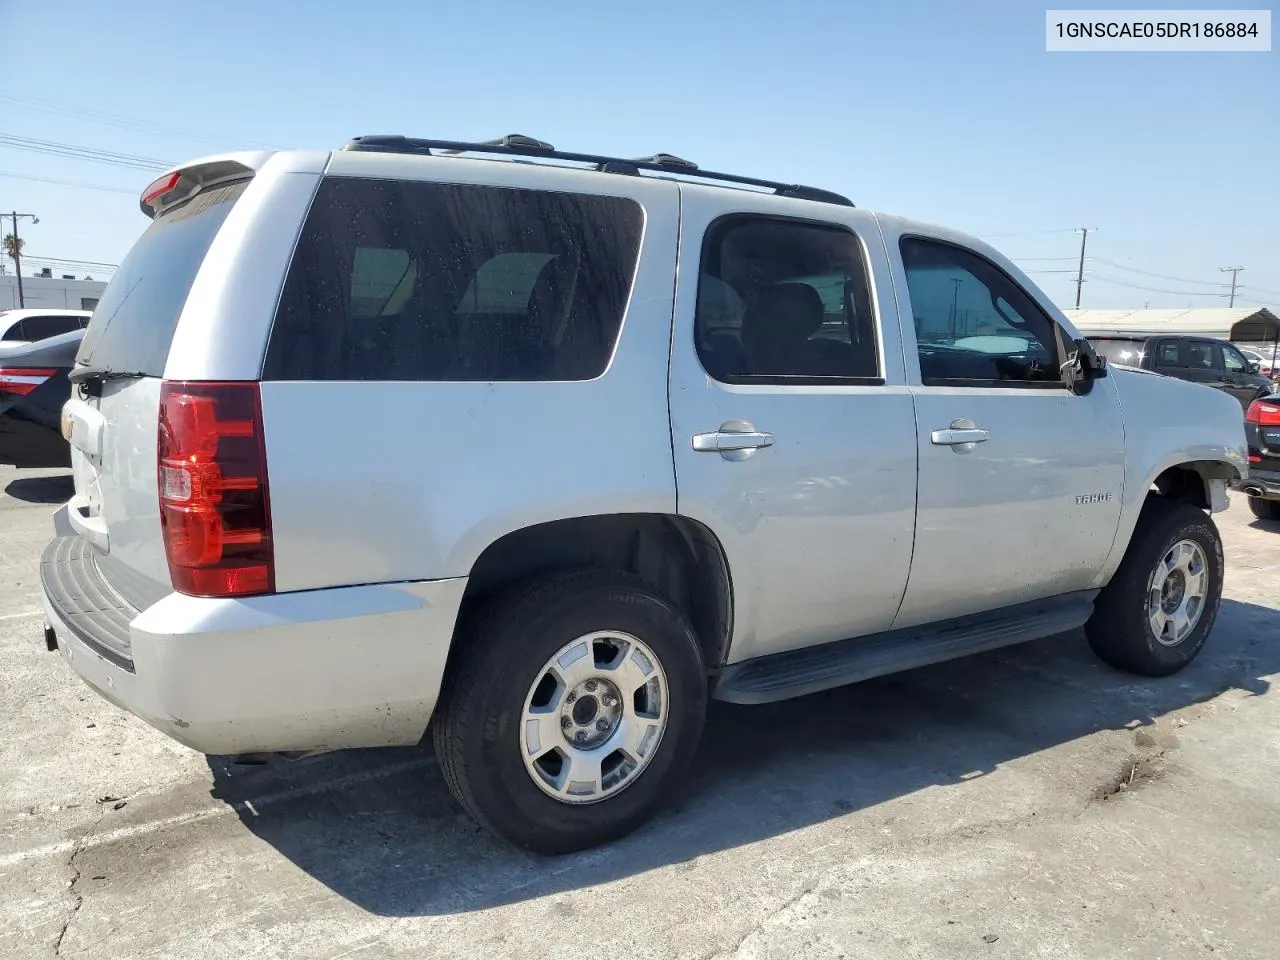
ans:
(516, 144)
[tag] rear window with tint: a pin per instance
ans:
(400, 280)
(133, 324)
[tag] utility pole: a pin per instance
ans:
(17, 249)
(1084, 236)
(1233, 271)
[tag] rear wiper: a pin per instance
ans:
(86, 374)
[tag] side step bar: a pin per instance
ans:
(810, 669)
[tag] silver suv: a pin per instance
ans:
(543, 451)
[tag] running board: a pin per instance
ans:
(810, 669)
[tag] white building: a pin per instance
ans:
(50, 291)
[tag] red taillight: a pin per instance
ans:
(23, 380)
(1263, 414)
(215, 510)
(159, 188)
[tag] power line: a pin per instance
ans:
(81, 153)
(66, 183)
(134, 124)
(1158, 276)
(1138, 286)
(1251, 289)
(1028, 233)
(87, 263)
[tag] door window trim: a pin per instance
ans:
(723, 221)
(1060, 338)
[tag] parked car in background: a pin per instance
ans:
(1215, 363)
(33, 388)
(31, 326)
(1262, 433)
(1265, 361)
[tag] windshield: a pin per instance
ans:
(133, 324)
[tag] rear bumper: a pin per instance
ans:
(313, 670)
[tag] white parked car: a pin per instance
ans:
(28, 326)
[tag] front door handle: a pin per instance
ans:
(961, 436)
(951, 436)
(735, 440)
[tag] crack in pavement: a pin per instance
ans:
(77, 898)
(806, 888)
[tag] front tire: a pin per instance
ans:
(1265, 509)
(574, 708)
(1154, 615)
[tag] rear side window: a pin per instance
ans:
(133, 324)
(1202, 356)
(38, 328)
(1170, 356)
(16, 331)
(784, 301)
(403, 280)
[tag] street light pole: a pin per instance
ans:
(17, 250)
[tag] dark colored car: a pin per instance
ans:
(33, 388)
(1215, 363)
(1262, 431)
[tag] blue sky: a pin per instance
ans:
(950, 112)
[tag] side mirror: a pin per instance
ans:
(1083, 366)
(1253, 366)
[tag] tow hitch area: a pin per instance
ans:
(50, 639)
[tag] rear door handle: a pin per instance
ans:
(735, 440)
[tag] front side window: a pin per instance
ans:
(408, 280)
(974, 324)
(784, 301)
(1234, 360)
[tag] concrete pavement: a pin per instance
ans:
(1027, 803)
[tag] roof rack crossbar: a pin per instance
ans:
(522, 146)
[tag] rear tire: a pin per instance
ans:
(573, 710)
(1154, 615)
(1265, 509)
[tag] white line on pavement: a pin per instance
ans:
(179, 819)
(20, 616)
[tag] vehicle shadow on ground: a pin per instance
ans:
(55, 489)
(379, 827)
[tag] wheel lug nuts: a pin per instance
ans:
(610, 701)
(602, 724)
(581, 736)
(591, 685)
(570, 697)
(566, 723)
